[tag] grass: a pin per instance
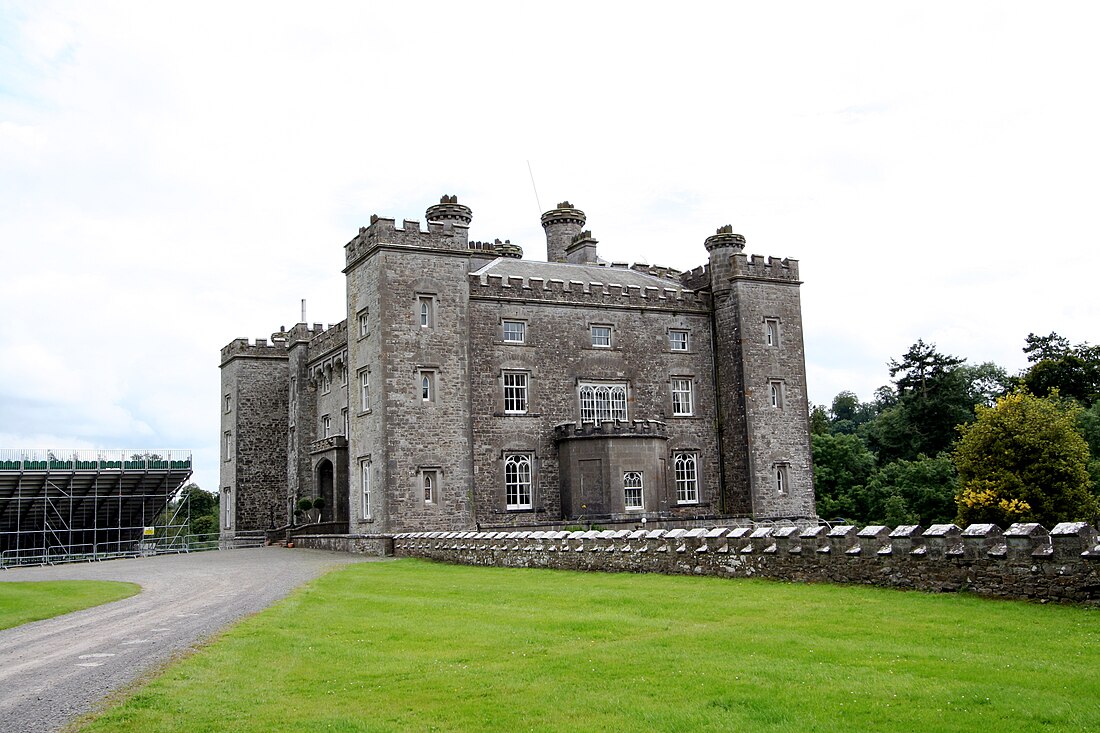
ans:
(410, 646)
(23, 602)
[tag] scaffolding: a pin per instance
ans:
(72, 505)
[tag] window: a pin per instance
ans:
(601, 337)
(515, 392)
(326, 380)
(677, 340)
(425, 305)
(364, 481)
(780, 479)
(344, 375)
(293, 386)
(228, 445)
(344, 415)
(775, 391)
(687, 478)
(517, 481)
(364, 390)
(632, 490)
(603, 402)
(326, 426)
(427, 386)
(364, 325)
(681, 396)
(515, 332)
(771, 331)
(228, 403)
(429, 482)
(227, 508)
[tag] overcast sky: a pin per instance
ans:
(177, 175)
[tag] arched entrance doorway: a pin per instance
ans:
(324, 483)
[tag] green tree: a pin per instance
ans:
(842, 465)
(848, 414)
(1074, 371)
(203, 510)
(934, 392)
(1024, 460)
(920, 491)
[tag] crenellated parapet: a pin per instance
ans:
(498, 248)
(578, 292)
(697, 278)
(324, 341)
(667, 273)
(1025, 561)
(441, 235)
(760, 268)
(259, 349)
(610, 428)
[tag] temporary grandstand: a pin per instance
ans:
(66, 505)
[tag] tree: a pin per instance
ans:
(934, 392)
(921, 491)
(1024, 460)
(842, 465)
(848, 413)
(203, 509)
(1074, 371)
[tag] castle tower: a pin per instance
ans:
(254, 434)
(562, 225)
(449, 210)
(408, 360)
(763, 414)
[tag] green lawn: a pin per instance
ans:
(411, 646)
(22, 602)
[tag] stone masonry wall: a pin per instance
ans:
(557, 355)
(1023, 562)
(254, 469)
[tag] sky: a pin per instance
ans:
(177, 175)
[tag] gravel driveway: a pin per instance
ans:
(55, 670)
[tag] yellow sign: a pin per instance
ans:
(150, 531)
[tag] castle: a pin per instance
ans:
(469, 388)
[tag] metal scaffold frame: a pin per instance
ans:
(73, 505)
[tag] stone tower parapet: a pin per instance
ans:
(590, 293)
(562, 224)
(449, 232)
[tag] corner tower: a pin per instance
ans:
(761, 365)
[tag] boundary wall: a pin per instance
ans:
(1023, 562)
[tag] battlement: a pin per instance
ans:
(305, 333)
(587, 293)
(697, 278)
(610, 428)
(448, 234)
(498, 248)
(1024, 561)
(668, 273)
(261, 349)
(756, 267)
(326, 340)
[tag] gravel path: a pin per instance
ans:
(55, 670)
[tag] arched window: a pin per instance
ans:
(781, 479)
(517, 481)
(632, 490)
(428, 480)
(603, 402)
(687, 478)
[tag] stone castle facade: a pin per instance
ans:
(471, 389)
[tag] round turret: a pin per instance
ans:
(725, 237)
(561, 225)
(448, 209)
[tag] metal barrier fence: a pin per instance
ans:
(45, 459)
(148, 547)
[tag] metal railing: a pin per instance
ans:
(145, 547)
(45, 459)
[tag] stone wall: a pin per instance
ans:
(1023, 562)
(357, 544)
